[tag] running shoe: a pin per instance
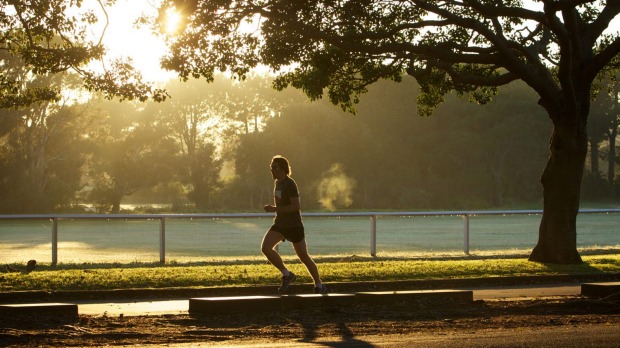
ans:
(320, 289)
(286, 282)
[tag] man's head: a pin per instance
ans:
(280, 163)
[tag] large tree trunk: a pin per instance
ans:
(116, 207)
(561, 180)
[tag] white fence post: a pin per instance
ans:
(54, 241)
(373, 235)
(466, 234)
(162, 240)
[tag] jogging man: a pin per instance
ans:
(287, 226)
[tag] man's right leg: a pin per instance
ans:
(270, 241)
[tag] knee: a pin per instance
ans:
(304, 257)
(265, 249)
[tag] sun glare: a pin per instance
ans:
(124, 40)
(173, 19)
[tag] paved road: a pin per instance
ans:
(181, 305)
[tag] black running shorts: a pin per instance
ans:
(293, 234)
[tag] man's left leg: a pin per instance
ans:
(302, 252)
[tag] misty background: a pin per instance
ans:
(209, 146)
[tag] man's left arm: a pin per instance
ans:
(291, 208)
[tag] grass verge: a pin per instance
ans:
(254, 272)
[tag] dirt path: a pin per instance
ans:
(306, 325)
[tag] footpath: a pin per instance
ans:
(171, 301)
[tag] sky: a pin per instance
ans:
(123, 39)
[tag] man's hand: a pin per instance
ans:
(270, 208)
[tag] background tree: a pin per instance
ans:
(602, 131)
(205, 121)
(557, 47)
(251, 103)
(429, 163)
(41, 158)
(612, 134)
(502, 147)
(129, 152)
(192, 118)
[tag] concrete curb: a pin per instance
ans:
(219, 305)
(435, 296)
(56, 309)
(601, 290)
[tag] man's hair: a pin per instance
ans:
(282, 164)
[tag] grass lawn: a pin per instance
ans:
(258, 272)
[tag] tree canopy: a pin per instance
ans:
(339, 47)
(342, 46)
(42, 37)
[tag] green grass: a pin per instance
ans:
(258, 272)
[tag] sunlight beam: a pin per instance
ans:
(173, 19)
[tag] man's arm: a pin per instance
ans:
(291, 208)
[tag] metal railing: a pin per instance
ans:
(54, 218)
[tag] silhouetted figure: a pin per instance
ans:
(287, 225)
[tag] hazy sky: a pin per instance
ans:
(123, 39)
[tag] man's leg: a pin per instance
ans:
(270, 241)
(302, 252)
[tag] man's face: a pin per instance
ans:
(276, 172)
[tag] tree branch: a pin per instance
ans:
(609, 12)
(561, 5)
(600, 60)
(506, 11)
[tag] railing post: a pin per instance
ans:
(373, 235)
(54, 241)
(162, 240)
(466, 234)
